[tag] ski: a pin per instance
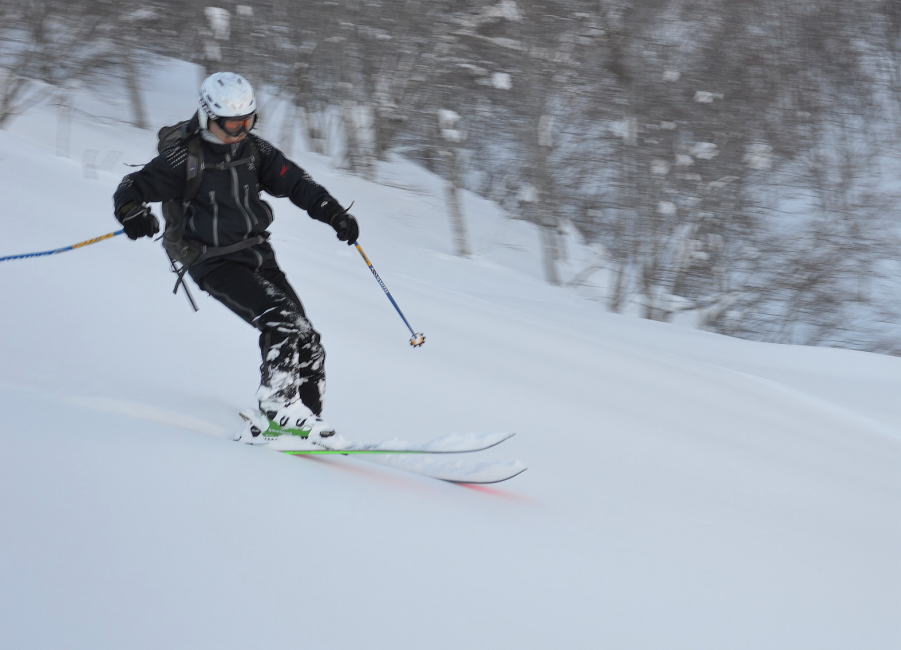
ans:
(460, 471)
(455, 443)
(449, 444)
(432, 459)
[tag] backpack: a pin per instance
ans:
(174, 211)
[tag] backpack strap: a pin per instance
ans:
(175, 211)
(194, 169)
(255, 154)
(203, 253)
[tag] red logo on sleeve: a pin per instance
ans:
(284, 170)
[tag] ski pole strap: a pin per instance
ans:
(64, 249)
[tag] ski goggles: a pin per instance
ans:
(235, 126)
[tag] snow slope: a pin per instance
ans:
(685, 490)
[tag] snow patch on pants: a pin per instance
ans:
(293, 361)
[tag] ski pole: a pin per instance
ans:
(64, 248)
(418, 338)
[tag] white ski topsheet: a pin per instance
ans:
(455, 469)
(434, 459)
(447, 444)
(455, 443)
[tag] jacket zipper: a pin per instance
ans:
(215, 218)
(237, 193)
(247, 206)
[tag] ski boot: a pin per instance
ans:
(281, 429)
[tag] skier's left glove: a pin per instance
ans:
(346, 227)
(138, 220)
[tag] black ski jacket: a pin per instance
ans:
(227, 207)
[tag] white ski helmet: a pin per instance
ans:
(225, 94)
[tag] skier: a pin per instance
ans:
(220, 240)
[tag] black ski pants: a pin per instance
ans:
(293, 359)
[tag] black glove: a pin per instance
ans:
(138, 220)
(346, 226)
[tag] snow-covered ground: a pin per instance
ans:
(685, 491)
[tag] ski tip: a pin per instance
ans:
(462, 442)
(493, 481)
(516, 468)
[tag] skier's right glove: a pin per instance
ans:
(138, 220)
(346, 227)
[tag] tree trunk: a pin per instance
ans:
(139, 115)
(289, 128)
(618, 291)
(458, 222)
(550, 247)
